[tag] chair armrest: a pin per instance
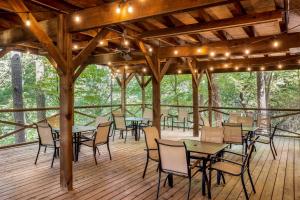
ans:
(230, 161)
(243, 155)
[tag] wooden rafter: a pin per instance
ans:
(166, 67)
(192, 66)
(38, 32)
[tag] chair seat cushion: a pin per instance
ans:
(153, 154)
(227, 167)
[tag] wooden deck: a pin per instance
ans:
(121, 178)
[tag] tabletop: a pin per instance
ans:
(204, 147)
(135, 119)
(79, 129)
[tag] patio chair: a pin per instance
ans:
(174, 160)
(147, 115)
(233, 117)
(165, 116)
(47, 139)
(100, 137)
(233, 133)
(54, 121)
(100, 119)
(182, 118)
(233, 168)
(120, 125)
(245, 121)
(269, 139)
(212, 134)
(151, 134)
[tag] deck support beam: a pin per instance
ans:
(209, 97)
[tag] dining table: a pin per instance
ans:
(135, 121)
(76, 132)
(205, 150)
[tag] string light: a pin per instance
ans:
(118, 70)
(27, 22)
(275, 44)
(236, 68)
(28, 51)
(77, 19)
(212, 54)
(126, 42)
(279, 66)
(199, 50)
(150, 49)
(179, 71)
(226, 65)
(130, 8)
(196, 71)
(175, 52)
(75, 46)
(144, 69)
(118, 9)
(249, 68)
(247, 51)
(262, 68)
(126, 66)
(101, 42)
(227, 54)
(109, 63)
(211, 68)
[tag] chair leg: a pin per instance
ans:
(108, 151)
(98, 150)
(45, 149)
(54, 153)
(114, 133)
(188, 197)
(94, 151)
(273, 153)
(125, 137)
(37, 155)
(209, 184)
(158, 185)
(274, 147)
(223, 178)
(251, 181)
(244, 187)
(146, 167)
(164, 123)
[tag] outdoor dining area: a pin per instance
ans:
(197, 150)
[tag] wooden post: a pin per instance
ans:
(66, 84)
(209, 98)
(143, 93)
(123, 92)
(195, 86)
(156, 102)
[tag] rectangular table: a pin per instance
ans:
(135, 121)
(77, 131)
(208, 149)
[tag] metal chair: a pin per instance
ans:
(100, 137)
(233, 134)
(245, 121)
(54, 121)
(233, 117)
(165, 116)
(147, 115)
(212, 134)
(47, 139)
(269, 139)
(174, 160)
(120, 125)
(233, 168)
(181, 118)
(151, 134)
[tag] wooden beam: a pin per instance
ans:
(106, 14)
(129, 78)
(152, 62)
(148, 81)
(209, 85)
(139, 80)
(83, 55)
(256, 45)
(217, 25)
(192, 66)
(38, 32)
(166, 67)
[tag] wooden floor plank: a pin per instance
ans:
(121, 178)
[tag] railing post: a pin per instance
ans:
(195, 86)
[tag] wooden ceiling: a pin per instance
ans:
(169, 29)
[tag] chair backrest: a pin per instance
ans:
(183, 114)
(233, 117)
(173, 157)
(119, 120)
(245, 121)
(148, 114)
(151, 134)
(164, 111)
(246, 161)
(102, 133)
(45, 133)
(212, 134)
(233, 133)
(100, 119)
(54, 121)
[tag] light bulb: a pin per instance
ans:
(126, 43)
(126, 66)
(144, 69)
(179, 71)
(236, 68)
(247, 51)
(249, 68)
(27, 22)
(279, 66)
(227, 54)
(211, 68)
(199, 50)
(262, 68)
(175, 52)
(75, 46)
(130, 9)
(101, 42)
(275, 44)
(109, 63)
(150, 49)
(212, 54)
(118, 9)
(77, 19)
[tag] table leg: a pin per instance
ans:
(170, 180)
(204, 176)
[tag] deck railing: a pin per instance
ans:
(85, 115)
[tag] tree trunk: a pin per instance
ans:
(261, 93)
(40, 95)
(216, 99)
(16, 80)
